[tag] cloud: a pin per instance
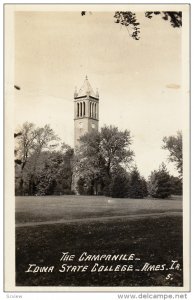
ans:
(173, 86)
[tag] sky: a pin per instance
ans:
(139, 82)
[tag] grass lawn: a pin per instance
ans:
(47, 208)
(156, 240)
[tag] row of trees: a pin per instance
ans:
(159, 185)
(103, 165)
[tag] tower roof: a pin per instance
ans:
(86, 89)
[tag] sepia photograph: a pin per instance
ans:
(97, 133)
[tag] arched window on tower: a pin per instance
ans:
(84, 108)
(77, 109)
(80, 109)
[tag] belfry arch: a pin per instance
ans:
(86, 104)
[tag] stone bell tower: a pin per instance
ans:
(86, 111)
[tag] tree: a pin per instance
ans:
(88, 163)
(82, 186)
(159, 185)
(176, 185)
(119, 186)
(33, 140)
(144, 187)
(138, 187)
(46, 179)
(114, 148)
(53, 173)
(66, 170)
(29, 145)
(153, 184)
(100, 153)
(174, 145)
(55, 176)
(125, 185)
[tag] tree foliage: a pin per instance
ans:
(101, 153)
(174, 145)
(144, 187)
(88, 162)
(32, 140)
(174, 17)
(128, 185)
(30, 143)
(159, 184)
(138, 186)
(129, 19)
(153, 184)
(47, 177)
(176, 185)
(101, 165)
(119, 186)
(55, 177)
(52, 176)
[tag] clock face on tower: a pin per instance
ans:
(80, 125)
(93, 126)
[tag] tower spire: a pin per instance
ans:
(86, 89)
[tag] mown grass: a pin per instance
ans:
(153, 240)
(47, 208)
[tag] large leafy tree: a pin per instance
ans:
(174, 145)
(30, 143)
(53, 174)
(46, 178)
(88, 163)
(100, 153)
(114, 148)
(34, 139)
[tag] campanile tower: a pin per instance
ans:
(86, 111)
